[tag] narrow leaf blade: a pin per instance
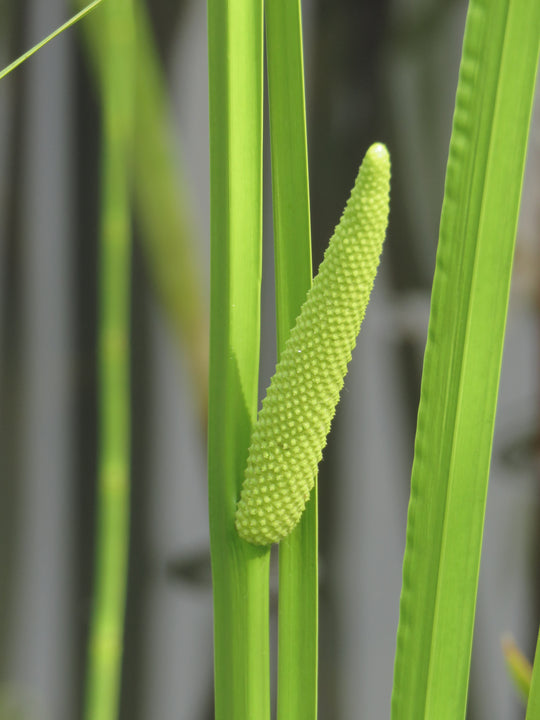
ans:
(463, 357)
(298, 554)
(78, 16)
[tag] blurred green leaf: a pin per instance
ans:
(519, 668)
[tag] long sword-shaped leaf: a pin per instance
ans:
(463, 358)
(239, 571)
(298, 583)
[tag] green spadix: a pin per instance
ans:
(291, 429)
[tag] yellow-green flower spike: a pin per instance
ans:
(291, 430)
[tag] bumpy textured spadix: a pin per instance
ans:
(291, 430)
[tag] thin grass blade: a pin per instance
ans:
(49, 37)
(463, 358)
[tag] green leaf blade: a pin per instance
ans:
(463, 357)
(298, 554)
(240, 573)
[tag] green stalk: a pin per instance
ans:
(240, 571)
(298, 578)
(463, 358)
(106, 632)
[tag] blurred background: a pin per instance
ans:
(375, 70)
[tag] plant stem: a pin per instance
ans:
(106, 633)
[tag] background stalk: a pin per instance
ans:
(298, 581)
(240, 572)
(106, 632)
(161, 201)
